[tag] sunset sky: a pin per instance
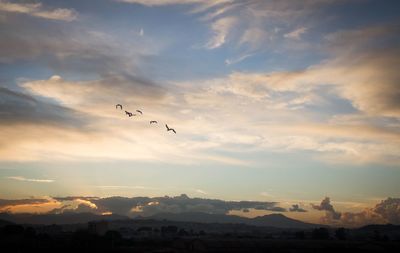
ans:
(284, 101)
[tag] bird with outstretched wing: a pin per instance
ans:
(170, 129)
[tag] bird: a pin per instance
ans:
(128, 113)
(139, 111)
(118, 105)
(153, 121)
(170, 129)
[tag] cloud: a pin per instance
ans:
(70, 48)
(15, 202)
(295, 34)
(20, 108)
(297, 208)
(201, 191)
(24, 179)
(255, 22)
(32, 205)
(37, 10)
(299, 103)
(147, 206)
(221, 29)
(79, 94)
(330, 213)
(174, 2)
(387, 211)
(255, 37)
(238, 59)
(75, 205)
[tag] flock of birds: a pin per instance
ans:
(130, 114)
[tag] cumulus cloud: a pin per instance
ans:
(387, 211)
(330, 213)
(147, 206)
(297, 208)
(75, 205)
(38, 10)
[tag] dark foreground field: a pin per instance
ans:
(170, 238)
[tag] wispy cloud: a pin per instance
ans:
(24, 179)
(296, 34)
(221, 29)
(201, 191)
(237, 60)
(38, 10)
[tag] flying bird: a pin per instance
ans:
(129, 113)
(118, 105)
(139, 111)
(153, 121)
(170, 129)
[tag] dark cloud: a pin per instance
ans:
(149, 206)
(389, 209)
(16, 202)
(276, 209)
(71, 198)
(297, 208)
(16, 107)
(62, 47)
(330, 212)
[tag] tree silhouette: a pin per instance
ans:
(341, 234)
(320, 234)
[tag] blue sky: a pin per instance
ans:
(285, 101)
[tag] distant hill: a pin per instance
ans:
(384, 227)
(64, 218)
(271, 220)
(5, 223)
(280, 221)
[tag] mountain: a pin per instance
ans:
(63, 218)
(280, 221)
(271, 220)
(198, 217)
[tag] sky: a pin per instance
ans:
(295, 103)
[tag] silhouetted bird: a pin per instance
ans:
(128, 113)
(118, 105)
(170, 129)
(153, 121)
(139, 111)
